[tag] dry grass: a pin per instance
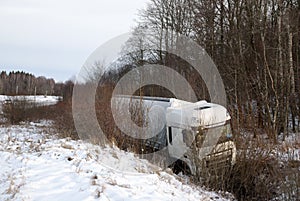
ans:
(16, 110)
(20, 110)
(259, 173)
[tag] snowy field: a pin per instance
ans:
(38, 166)
(42, 100)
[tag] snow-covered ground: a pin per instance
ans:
(42, 100)
(284, 150)
(38, 166)
(289, 149)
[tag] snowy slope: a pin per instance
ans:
(36, 166)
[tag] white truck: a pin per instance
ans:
(194, 135)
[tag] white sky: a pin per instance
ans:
(53, 38)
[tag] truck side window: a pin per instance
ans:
(170, 134)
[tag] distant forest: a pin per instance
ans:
(22, 83)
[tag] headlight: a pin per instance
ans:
(229, 135)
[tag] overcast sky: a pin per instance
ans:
(53, 38)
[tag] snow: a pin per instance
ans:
(36, 165)
(289, 149)
(42, 100)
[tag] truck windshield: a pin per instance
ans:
(201, 135)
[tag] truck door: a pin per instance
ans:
(177, 147)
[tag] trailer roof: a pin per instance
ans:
(152, 98)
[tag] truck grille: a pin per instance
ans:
(219, 159)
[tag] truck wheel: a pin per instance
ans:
(180, 166)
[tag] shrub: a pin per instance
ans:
(63, 120)
(16, 110)
(258, 174)
(255, 176)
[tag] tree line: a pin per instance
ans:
(255, 45)
(22, 83)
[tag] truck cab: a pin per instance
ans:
(199, 136)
